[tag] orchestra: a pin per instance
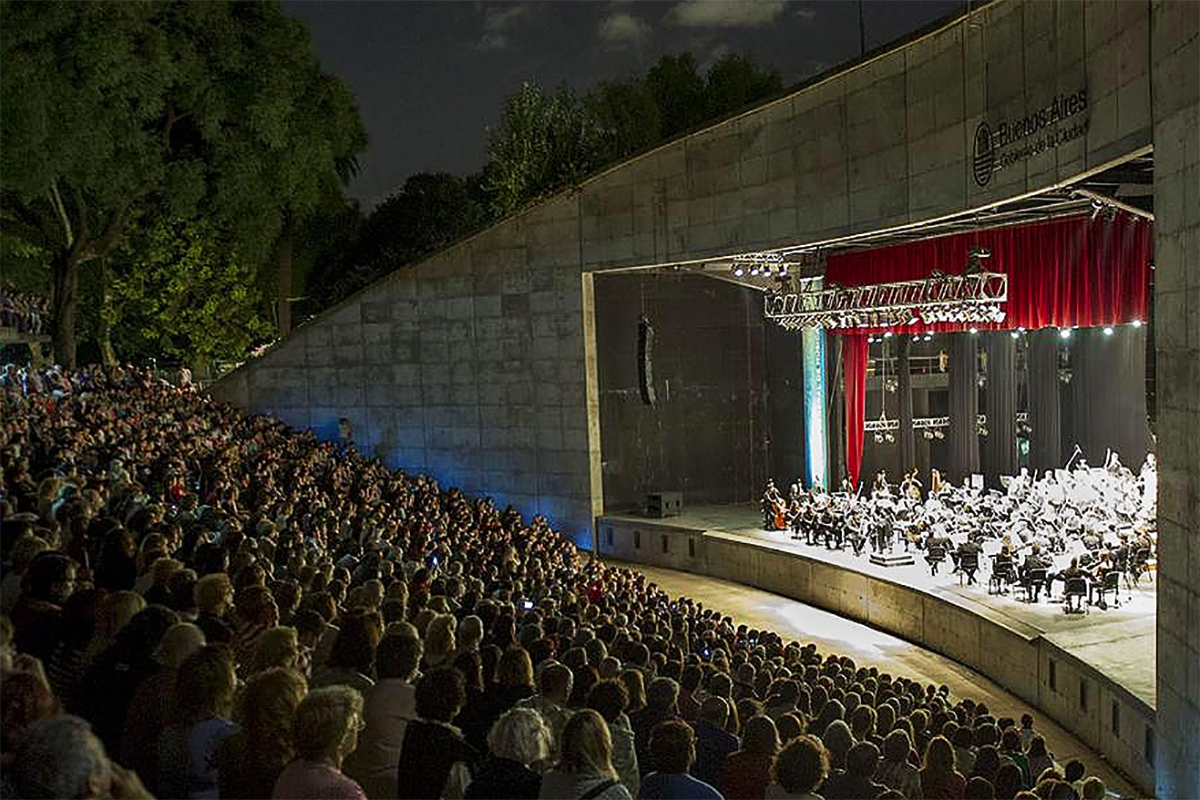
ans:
(1083, 522)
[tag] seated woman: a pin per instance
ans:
(585, 769)
(325, 731)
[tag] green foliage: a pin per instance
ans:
(179, 292)
(174, 110)
(735, 82)
(678, 90)
(542, 142)
(627, 116)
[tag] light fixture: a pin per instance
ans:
(739, 272)
(1013, 334)
(870, 340)
(1108, 330)
(1065, 333)
(974, 330)
(887, 334)
(1137, 323)
(929, 337)
(1020, 330)
(754, 270)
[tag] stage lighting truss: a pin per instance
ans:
(974, 297)
(766, 265)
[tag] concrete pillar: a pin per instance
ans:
(1175, 88)
(592, 400)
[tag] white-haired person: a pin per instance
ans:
(517, 742)
(324, 732)
(62, 757)
(585, 769)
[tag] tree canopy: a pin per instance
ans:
(164, 111)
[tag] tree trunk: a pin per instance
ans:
(107, 354)
(285, 278)
(64, 270)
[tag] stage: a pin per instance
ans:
(1094, 673)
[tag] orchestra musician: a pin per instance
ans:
(1102, 566)
(970, 546)
(771, 502)
(1033, 561)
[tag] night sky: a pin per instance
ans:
(430, 76)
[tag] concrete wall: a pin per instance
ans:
(1013, 655)
(1176, 80)
(706, 434)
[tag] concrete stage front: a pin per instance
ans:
(1094, 674)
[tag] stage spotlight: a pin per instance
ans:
(754, 270)
(1108, 330)
(887, 334)
(1065, 333)
(929, 337)
(974, 330)
(739, 272)
(1020, 330)
(1137, 323)
(870, 340)
(1013, 334)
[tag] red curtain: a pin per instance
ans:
(1078, 271)
(855, 354)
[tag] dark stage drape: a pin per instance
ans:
(1067, 272)
(1000, 445)
(854, 363)
(963, 436)
(1045, 420)
(1107, 399)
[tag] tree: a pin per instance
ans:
(735, 82)
(542, 143)
(114, 110)
(180, 291)
(678, 90)
(626, 116)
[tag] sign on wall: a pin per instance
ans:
(1012, 141)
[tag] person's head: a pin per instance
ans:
(205, 684)
(398, 656)
(470, 633)
(715, 711)
(635, 687)
(896, 745)
(1008, 780)
(355, 642)
(862, 759)
(214, 594)
(1073, 770)
(760, 736)
(555, 681)
(439, 637)
(25, 700)
(801, 766)
(939, 756)
(180, 641)
(520, 735)
(586, 745)
(1037, 746)
(838, 740)
(60, 757)
(980, 789)
(326, 724)
(440, 694)
(609, 698)
(1092, 788)
(672, 746)
(515, 668)
(256, 605)
(267, 706)
(662, 694)
(50, 577)
(276, 647)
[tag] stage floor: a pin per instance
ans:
(1119, 641)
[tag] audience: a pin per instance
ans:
(158, 546)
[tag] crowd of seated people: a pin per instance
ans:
(24, 312)
(200, 603)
